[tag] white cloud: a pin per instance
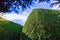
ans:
(14, 17)
(55, 6)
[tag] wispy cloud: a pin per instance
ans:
(17, 17)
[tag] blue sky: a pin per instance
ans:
(22, 16)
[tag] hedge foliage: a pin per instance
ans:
(9, 30)
(43, 24)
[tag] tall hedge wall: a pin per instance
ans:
(43, 24)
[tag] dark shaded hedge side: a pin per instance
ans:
(9, 30)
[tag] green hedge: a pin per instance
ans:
(43, 24)
(9, 30)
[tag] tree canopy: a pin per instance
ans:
(9, 5)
